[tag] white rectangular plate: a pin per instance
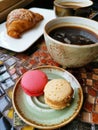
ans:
(28, 38)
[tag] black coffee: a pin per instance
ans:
(74, 35)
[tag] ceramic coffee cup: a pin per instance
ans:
(68, 7)
(69, 55)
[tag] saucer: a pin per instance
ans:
(33, 110)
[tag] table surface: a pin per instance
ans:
(13, 65)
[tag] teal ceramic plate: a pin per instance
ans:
(33, 110)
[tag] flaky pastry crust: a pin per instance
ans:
(21, 20)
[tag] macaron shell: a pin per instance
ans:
(33, 82)
(32, 94)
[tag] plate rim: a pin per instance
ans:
(50, 126)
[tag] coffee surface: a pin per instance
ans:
(74, 35)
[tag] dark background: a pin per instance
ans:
(49, 4)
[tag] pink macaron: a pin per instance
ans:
(33, 82)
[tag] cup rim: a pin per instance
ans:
(65, 44)
(83, 4)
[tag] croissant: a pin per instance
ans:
(21, 20)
